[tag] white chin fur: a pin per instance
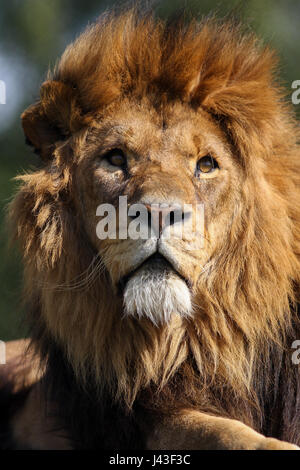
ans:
(156, 295)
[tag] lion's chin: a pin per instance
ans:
(156, 292)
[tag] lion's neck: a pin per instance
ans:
(162, 372)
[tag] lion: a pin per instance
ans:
(165, 342)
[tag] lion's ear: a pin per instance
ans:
(39, 132)
(53, 118)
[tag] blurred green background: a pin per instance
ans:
(33, 33)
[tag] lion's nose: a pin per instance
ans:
(160, 216)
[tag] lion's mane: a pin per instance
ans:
(234, 357)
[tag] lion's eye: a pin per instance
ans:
(207, 164)
(116, 158)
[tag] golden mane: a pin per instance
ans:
(246, 294)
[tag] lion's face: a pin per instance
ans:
(174, 157)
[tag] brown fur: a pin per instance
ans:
(207, 77)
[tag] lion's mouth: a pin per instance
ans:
(157, 262)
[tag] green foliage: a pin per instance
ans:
(35, 32)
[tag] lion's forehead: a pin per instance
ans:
(174, 130)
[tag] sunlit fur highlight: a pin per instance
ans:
(245, 295)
